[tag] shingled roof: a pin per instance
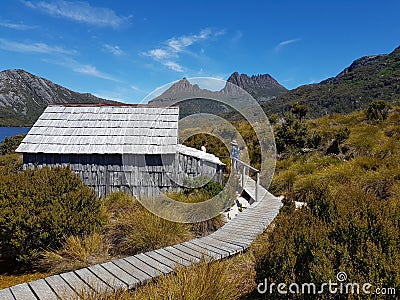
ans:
(199, 154)
(104, 129)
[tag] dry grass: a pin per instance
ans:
(133, 229)
(228, 279)
(7, 280)
(76, 253)
(233, 278)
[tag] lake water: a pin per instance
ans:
(11, 131)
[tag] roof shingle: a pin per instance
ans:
(97, 129)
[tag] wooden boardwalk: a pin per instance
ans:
(130, 272)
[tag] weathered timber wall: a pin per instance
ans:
(135, 174)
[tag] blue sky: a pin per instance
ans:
(123, 50)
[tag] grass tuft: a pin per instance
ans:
(76, 253)
(133, 229)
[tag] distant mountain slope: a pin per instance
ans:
(261, 87)
(24, 96)
(366, 79)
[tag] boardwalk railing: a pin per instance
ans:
(244, 171)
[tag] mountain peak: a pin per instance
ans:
(24, 96)
(261, 86)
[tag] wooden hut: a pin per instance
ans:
(117, 147)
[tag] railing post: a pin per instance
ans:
(243, 175)
(257, 183)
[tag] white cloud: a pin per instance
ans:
(179, 44)
(16, 26)
(173, 66)
(33, 48)
(135, 88)
(169, 54)
(159, 54)
(86, 69)
(92, 71)
(81, 12)
(116, 50)
(286, 43)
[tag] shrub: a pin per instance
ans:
(273, 118)
(204, 187)
(291, 135)
(377, 110)
(351, 221)
(10, 144)
(10, 163)
(347, 230)
(39, 208)
(299, 110)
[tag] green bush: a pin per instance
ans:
(40, 208)
(292, 134)
(342, 229)
(377, 110)
(203, 186)
(10, 163)
(352, 220)
(9, 145)
(299, 110)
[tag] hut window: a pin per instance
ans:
(153, 160)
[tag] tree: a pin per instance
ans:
(377, 110)
(299, 110)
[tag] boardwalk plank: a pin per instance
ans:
(249, 236)
(162, 259)
(230, 239)
(93, 281)
(42, 290)
(177, 259)
(22, 292)
(151, 271)
(232, 248)
(107, 277)
(79, 286)
(201, 243)
(6, 294)
(241, 230)
(132, 270)
(200, 254)
(121, 274)
(60, 287)
(182, 254)
(216, 254)
(154, 263)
